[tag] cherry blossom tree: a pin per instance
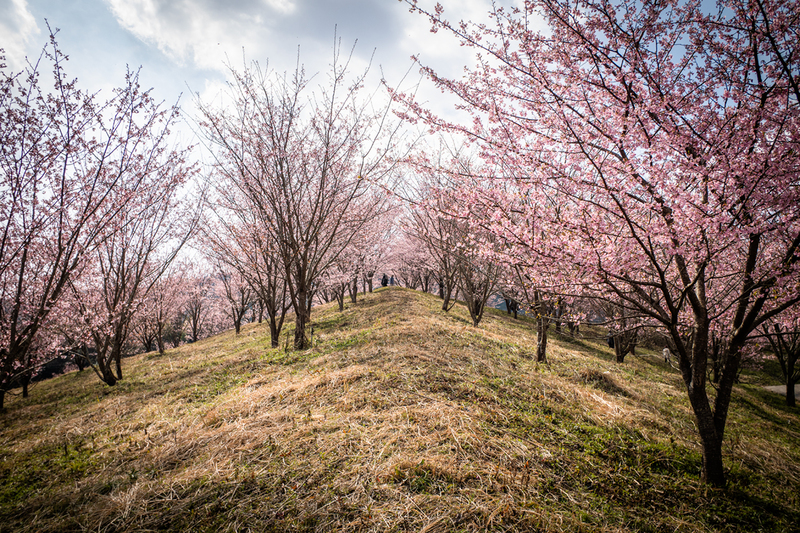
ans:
(375, 247)
(138, 249)
(307, 161)
(233, 237)
(237, 292)
(143, 329)
(199, 307)
(652, 149)
(64, 157)
(430, 224)
(165, 306)
(337, 278)
(409, 261)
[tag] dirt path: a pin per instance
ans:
(781, 389)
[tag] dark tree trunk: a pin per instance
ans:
(274, 332)
(354, 290)
(542, 325)
(446, 299)
(106, 373)
(366, 281)
(512, 306)
(26, 380)
(81, 363)
(2, 400)
(619, 352)
(716, 359)
(624, 344)
(340, 300)
(475, 311)
(299, 333)
(160, 339)
(302, 311)
(118, 363)
(710, 422)
(713, 471)
(790, 381)
(426, 281)
(786, 347)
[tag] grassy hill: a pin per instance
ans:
(401, 417)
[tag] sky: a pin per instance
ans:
(183, 46)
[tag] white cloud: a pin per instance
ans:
(203, 33)
(17, 31)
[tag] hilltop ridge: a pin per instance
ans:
(400, 417)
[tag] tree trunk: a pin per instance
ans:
(2, 400)
(160, 339)
(354, 290)
(790, 378)
(340, 299)
(26, 379)
(299, 333)
(713, 471)
(107, 375)
(559, 312)
(274, 332)
(475, 311)
(446, 293)
(302, 315)
(619, 351)
(542, 324)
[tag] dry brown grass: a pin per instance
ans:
(401, 417)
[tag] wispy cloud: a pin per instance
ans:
(18, 30)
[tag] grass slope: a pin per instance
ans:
(401, 417)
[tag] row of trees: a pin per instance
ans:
(95, 212)
(300, 181)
